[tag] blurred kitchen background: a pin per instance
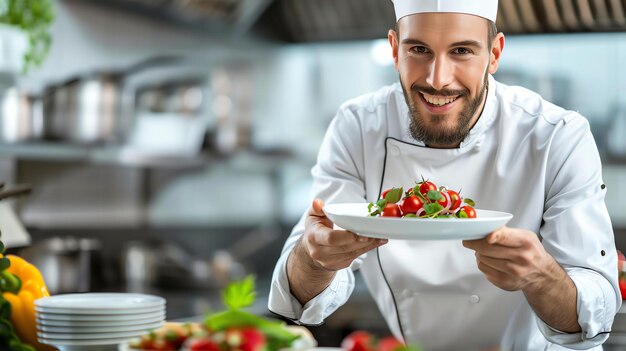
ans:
(168, 143)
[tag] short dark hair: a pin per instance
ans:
(492, 32)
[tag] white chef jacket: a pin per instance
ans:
(525, 156)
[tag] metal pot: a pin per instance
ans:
(84, 110)
(67, 264)
(21, 116)
(88, 108)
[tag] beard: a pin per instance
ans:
(435, 132)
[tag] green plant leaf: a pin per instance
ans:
(461, 214)
(4, 263)
(394, 195)
(34, 17)
(238, 318)
(432, 208)
(240, 294)
(410, 215)
(469, 202)
(434, 195)
(381, 204)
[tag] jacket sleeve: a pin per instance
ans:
(337, 178)
(577, 232)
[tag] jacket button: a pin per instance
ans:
(474, 299)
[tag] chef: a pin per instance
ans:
(546, 281)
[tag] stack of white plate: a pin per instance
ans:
(96, 321)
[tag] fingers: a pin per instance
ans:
(507, 237)
(492, 274)
(323, 228)
(495, 251)
(501, 265)
(317, 208)
(358, 251)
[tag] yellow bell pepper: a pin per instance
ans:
(23, 303)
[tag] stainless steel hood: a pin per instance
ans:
(330, 20)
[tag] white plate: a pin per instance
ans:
(354, 217)
(97, 311)
(98, 318)
(100, 329)
(95, 322)
(60, 342)
(110, 347)
(101, 302)
(95, 336)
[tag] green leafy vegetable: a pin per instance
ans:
(394, 195)
(238, 295)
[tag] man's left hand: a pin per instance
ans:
(512, 259)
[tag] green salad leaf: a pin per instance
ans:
(238, 295)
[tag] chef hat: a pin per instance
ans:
(483, 8)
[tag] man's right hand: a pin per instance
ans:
(321, 252)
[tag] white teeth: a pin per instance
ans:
(438, 101)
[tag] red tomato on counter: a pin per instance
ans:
(358, 341)
(389, 343)
(204, 344)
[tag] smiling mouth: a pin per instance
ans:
(439, 100)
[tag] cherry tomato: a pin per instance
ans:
(455, 198)
(426, 186)
(389, 343)
(204, 344)
(469, 211)
(159, 345)
(385, 193)
(253, 340)
(445, 201)
(392, 210)
(411, 204)
(358, 341)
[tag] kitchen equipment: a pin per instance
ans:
(191, 98)
(11, 229)
(84, 109)
(68, 264)
(21, 115)
(18, 190)
(87, 108)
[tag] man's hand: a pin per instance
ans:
(320, 252)
(514, 259)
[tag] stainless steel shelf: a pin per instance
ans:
(114, 155)
(122, 156)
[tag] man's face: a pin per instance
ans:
(444, 60)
